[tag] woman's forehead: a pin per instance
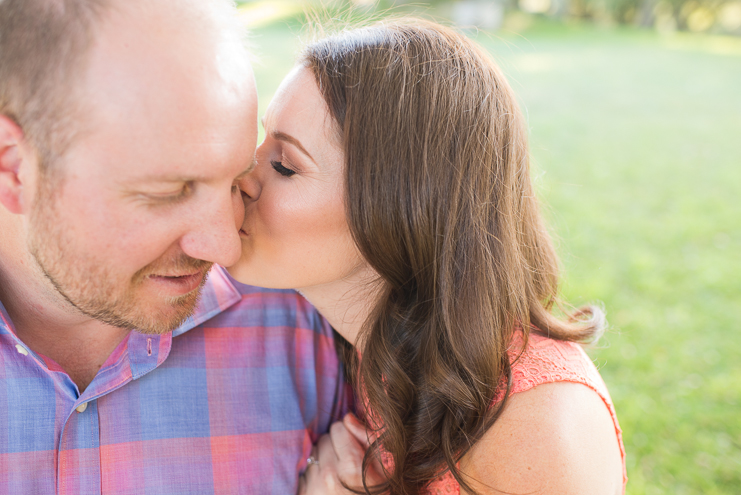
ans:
(299, 110)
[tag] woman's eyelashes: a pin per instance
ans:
(284, 171)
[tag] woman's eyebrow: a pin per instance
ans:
(282, 136)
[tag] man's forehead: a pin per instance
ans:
(162, 87)
(160, 105)
(184, 42)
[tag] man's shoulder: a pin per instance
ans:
(253, 290)
(246, 306)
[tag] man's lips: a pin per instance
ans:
(178, 284)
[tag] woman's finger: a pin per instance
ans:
(308, 483)
(365, 437)
(321, 476)
(345, 444)
(350, 455)
(359, 430)
(301, 485)
(313, 459)
(325, 453)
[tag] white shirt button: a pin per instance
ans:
(21, 349)
(81, 408)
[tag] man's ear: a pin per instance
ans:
(11, 186)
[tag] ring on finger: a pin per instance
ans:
(311, 461)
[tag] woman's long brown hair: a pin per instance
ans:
(441, 205)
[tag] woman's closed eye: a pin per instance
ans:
(284, 171)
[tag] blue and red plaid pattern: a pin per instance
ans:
(229, 403)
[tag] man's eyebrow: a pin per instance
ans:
(282, 136)
(177, 179)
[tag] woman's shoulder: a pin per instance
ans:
(556, 438)
(558, 433)
(545, 360)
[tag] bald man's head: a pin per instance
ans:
(143, 116)
(45, 46)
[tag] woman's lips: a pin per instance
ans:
(178, 285)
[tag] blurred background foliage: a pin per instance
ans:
(634, 111)
(713, 16)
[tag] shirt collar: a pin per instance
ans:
(6, 326)
(217, 296)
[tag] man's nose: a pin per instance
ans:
(250, 187)
(214, 230)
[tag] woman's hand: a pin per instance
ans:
(338, 458)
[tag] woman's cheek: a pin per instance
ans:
(285, 218)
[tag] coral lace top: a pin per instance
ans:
(545, 361)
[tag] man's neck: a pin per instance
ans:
(49, 325)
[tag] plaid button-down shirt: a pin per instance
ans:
(231, 402)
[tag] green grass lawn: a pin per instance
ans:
(636, 143)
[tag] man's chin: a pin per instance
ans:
(154, 311)
(167, 316)
(155, 315)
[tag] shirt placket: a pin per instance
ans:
(79, 464)
(79, 451)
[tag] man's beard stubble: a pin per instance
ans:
(92, 288)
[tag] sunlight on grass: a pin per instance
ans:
(717, 45)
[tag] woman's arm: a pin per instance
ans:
(556, 439)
